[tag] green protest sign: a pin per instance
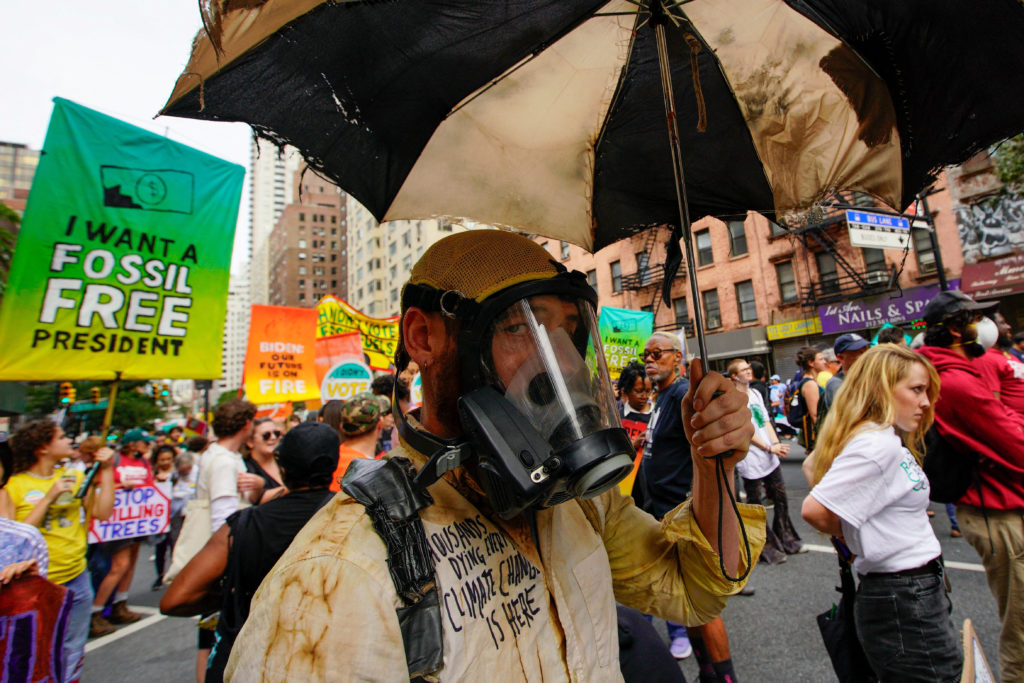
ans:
(623, 335)
(123, 256)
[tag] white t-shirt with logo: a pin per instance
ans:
(880, 494)
(759, 462)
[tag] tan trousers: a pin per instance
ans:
(1004, 569)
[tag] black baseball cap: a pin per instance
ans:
(308, 451)
(953, 301)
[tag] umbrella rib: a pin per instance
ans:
(494, 82)
(536, 53)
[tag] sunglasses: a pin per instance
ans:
(267, 436)
(655, 354)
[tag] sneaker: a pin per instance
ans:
(98, 626)
(955, 533)
(120, 614)
(681, 648)
(157, 584)
(746, 590)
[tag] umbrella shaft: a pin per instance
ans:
(681, 201)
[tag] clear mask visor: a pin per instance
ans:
(546, 355)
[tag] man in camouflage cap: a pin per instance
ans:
(360, 414)
(359, 422)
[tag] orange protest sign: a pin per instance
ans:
(280, 358)
(278, 412)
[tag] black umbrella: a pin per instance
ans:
(549, 116)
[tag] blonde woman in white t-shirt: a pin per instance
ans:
(869, 490)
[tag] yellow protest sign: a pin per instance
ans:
(379, 335)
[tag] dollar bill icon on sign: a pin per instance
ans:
(147, 189)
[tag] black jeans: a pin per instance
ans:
(781, 536)
(905, 627)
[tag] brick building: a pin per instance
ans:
(765, 291)
(308, 246)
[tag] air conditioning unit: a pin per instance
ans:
(877, 277)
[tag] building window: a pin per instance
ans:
(745, 301)
(302, 216)
(302, 270)
(776, 229)
(406, 239)
(737, 238)
(302, 296)
(704, 255)
(394, 296)
(592, 278)
(616, 269)
(302, 256)
(787, 282)
(679, 307)
(302, 282)
(924, 251)
(407, 263)
(334, 284)
(565, 250)
(828, 276)
(647, 308)
(642, 271)
(712, 313)
(302, 244)
(874, 260)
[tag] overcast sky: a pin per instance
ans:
(119, 57)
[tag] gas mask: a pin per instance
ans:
(537, 409)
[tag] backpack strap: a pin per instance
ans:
(385, 488)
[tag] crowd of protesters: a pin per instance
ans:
(860, 409)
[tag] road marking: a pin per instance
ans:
(153, 618)
(951, 564)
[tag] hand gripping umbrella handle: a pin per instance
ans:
(723, 491)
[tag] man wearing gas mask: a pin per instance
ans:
(493, 541)
(972, 420)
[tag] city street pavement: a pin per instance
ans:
(774, 635)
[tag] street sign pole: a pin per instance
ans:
(943, 285)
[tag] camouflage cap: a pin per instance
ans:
(360, 414)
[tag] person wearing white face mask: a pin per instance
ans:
(1002, 373)
(973, 421)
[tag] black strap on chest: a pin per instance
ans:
(386, 489)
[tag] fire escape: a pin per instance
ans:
(648, 279)
(848, 281)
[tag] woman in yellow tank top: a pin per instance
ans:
(42, 494)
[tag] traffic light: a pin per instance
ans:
(67, 392)
(94, 394)
(165, 391)
(155, 390)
